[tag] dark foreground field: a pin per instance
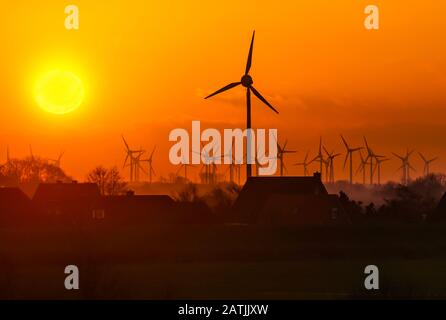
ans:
(230, 262)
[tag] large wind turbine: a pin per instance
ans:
(247, 82)
(427, 163)
(349, 155)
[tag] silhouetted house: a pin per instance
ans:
(74, 203)
(138, 209)
(15, 206)
(154, 209)
(288, 201)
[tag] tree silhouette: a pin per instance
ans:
(109, 181)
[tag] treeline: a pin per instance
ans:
(415, 203)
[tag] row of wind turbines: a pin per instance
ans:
(369, 161)
(56, 162)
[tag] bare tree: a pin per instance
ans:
(109, 181)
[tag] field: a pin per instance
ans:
(223, 262)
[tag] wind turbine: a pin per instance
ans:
(405, 166)
(378, 163)
(427, 163)
(281, 150)
(330, 160)
(247, 82)
(362, 166)
(319, 157)
(349, 156)
(134, 160)
(57, 161)
(371, 156)
(304, 164)
(151, 171)
(185, 166)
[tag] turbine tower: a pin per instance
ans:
(378, 163)
(426, 169)
(304, 164)
(247, 82)
(349, 156)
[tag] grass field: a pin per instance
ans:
(224, 262)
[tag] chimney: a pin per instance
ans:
(317, 175)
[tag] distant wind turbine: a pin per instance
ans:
(319, 157)
(405, 166)
(349, 156)
(149, 161)
(362, 167)
(282, 150)
(378, 163)
(427, 163)
(247, 82)
(304, 164)
(371, 156)
(330, 160)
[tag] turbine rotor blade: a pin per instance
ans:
(249, 62)
(229, 86)
(345, 143)
(258, 95)
(125, 142)
(346, 158)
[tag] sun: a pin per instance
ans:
(59, 92)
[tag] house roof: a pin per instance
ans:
(12, 196)
(67, 192)
(257, 190)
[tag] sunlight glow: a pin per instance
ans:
(59, 92)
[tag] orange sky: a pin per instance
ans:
(147, 65)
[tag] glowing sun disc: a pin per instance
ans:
(59, 92)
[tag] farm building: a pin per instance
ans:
(288, 201)
(69, 202)
(137, 209)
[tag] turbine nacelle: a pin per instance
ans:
(247, 81)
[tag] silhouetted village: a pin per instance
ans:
(261, 201)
